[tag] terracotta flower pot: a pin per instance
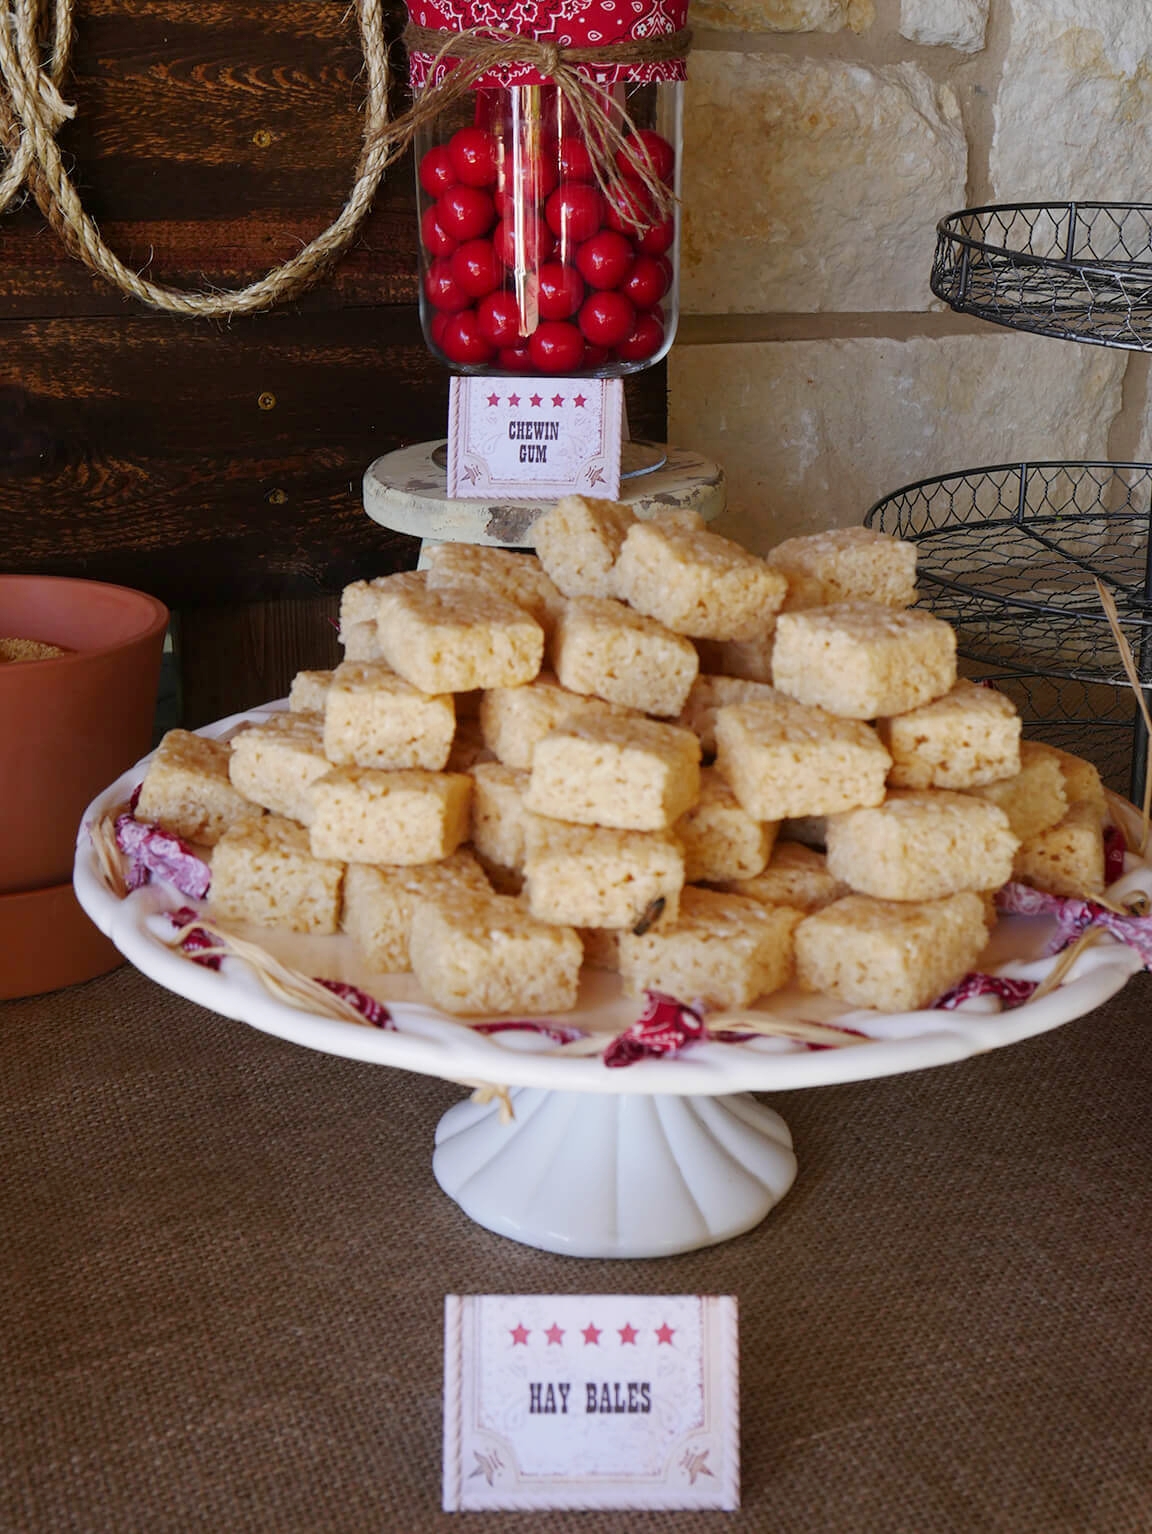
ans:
(68, 727)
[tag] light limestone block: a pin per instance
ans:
(812, 433)
(782, 15)
(814, 185)
(1074, 107)
(950, 23)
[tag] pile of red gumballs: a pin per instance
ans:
(530, 243)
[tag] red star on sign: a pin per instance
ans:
(493, 399)
(557, 399)
(554, 1334)
(535, 400)
(519, 1334)
(579, 401)
(591, 1335)
(628, 1334)
(664, 1334)
(513, 399)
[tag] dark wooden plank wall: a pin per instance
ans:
(217, 464)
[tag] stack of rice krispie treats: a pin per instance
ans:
(642, 749)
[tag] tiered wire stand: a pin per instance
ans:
(1010, 553)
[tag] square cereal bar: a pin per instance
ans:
(187, 790)
(477, 953)
(863, 660)
(695, 582)
(1033, 798)
(275, 762)
(263, 871)
(379, 900)
(968, 737)
(499, 817)
(796, 875)
(846, 564)
(720, 839)
(724, 949)
(604, 648)
(634, 774)
(585, 876)
(1081, 779)
(308, 692)
(513, 719)
(360, 601)
(784, 759)
(1068, 858)
(362, 815)
(453, 641)
(519, 578)
(887, 955)
(708, 695)
(374, 718)
(921, 844)
(577, 542)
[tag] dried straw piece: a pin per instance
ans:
(106, 851)
(1128, 662)
(1064, 963)
(485, 1092)
(798, 1029)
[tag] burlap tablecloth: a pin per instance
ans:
(224, 1260)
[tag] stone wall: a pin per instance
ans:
(823, 141)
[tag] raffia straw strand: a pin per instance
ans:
(484, 1092)
(800, 1029)
(1087, 938)
(106, 850)
(1130, 671)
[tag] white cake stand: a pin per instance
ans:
(662, 1156)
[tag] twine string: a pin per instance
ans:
(35, 43)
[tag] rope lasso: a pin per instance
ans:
(35, 40)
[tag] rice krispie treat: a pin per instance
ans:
(1068, 858)
(720, 839)
(360, 601)
(724, 949)
(784, 759)
(1033, 798)
(864, 660)
(921, 845)
(749, 659)
(308, 692)
(634, 774)
(379, 900)
(846, 564)
(695, 582)
(589, 876)
(362, 815)
(361, 641)
(1081, 779)
(604, 648)
(476, 953)
(795, 876)
(514, 719)
(187, 789)
(499, 817)
(263, 871)
(709, 694)
(451, 640)
(519, 578)
(578, 541)
(275, 763)
(374, 718)
(968, 737)
(891, 956)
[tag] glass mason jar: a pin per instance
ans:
(526, 266)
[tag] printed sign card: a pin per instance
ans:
(594, 1400)
(534, 438)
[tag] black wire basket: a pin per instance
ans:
(1010, 555)
(1078, 271)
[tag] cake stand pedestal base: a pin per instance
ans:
(615, 1175)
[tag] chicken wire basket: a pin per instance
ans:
(1010, 555)
(1078, 271)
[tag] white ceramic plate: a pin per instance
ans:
(435, 1044)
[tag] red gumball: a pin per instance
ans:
(441, 288)
(631, 211)
(474, 156)
(646, 284)
(515, 359)
(528, 252)
(659, 238)
(476, 267)
(595, 357)
(499, 318)
(466, 212)
(654, 152)
(437, 173)
(575, 161)
(462, 343)
(557, 347)
(432, 233)
(436, 326)
(645, 341)
(607, 319)
(574, 212)
(540, 176)
(605, 260)
(559, 291)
